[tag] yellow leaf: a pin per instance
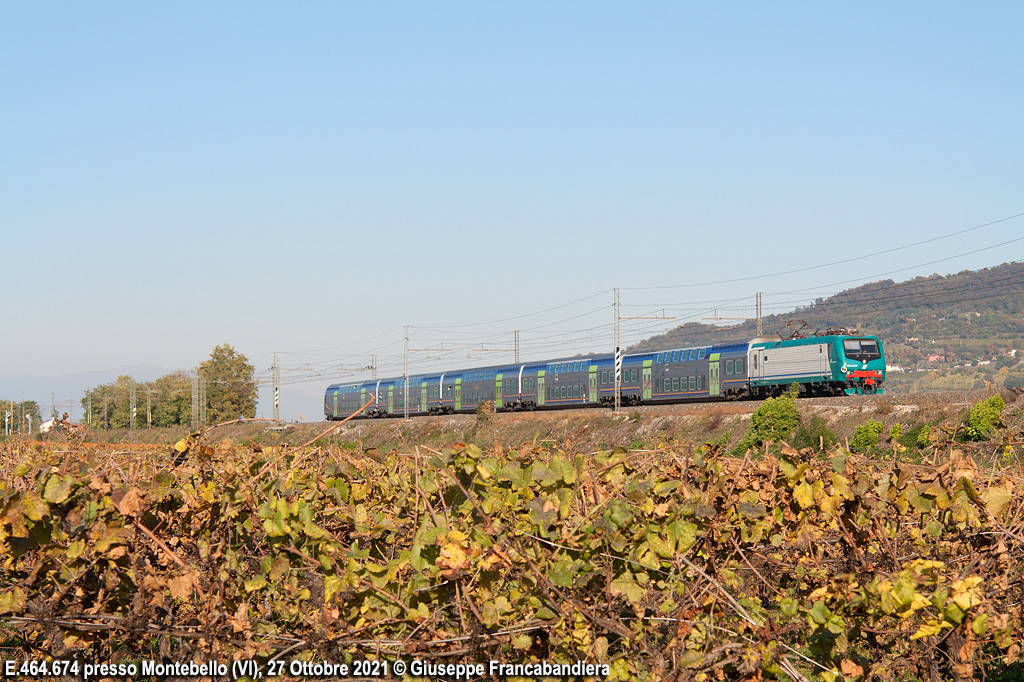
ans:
(967, 592)
(931, 628)
(996, 499)
(453, 557)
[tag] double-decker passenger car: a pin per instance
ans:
(821, 365)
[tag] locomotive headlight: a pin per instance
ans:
(843, 369)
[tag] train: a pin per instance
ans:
(825, 364)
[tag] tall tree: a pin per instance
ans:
(115, 399)
(230, 386)
(172, 399)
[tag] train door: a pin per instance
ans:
(424, 402)
(714, 385)
(647, 380)
(593, 384)
(497, 391)
(334, 411)
(458, 394)
(362, 397)
(391, 399)
(541, 393)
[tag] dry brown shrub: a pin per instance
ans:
(884, 407)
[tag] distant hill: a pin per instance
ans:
(974, 316)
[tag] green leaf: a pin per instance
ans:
(562, 573)
(12, 601)
(662, 548)
(515, 474)
(666, 487)
(33, 507)
(683, 533)
(789, 606)
(839, 462)
(76, 549)
(58, 488)
(332, 585)
(627, 586)
(819, 613)
(545, 475)
(619, 513)
(565, 470)
(276, 526)
(257, 583)
(522, 641)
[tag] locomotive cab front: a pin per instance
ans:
(863, 364)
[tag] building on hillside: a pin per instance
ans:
(936, 357)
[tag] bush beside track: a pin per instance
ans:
(670, 562)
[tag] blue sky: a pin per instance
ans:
(297, 179)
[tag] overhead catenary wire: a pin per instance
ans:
(843, 261)
(542, 340)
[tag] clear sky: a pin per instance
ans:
(302, 177)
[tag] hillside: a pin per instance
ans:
(957, 332)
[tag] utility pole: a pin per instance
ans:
(405, 373)
(131, 405)
(517, 346)
(149, 408)
(202, 401)
(106, 422)
(373, 367)
(759, 313)
(195, 399)
(277, 389)
(618, 357)
(88, 409)
(757, 306)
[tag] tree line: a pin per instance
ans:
(17, 416)
(229, 391)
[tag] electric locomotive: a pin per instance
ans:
(828, 364)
